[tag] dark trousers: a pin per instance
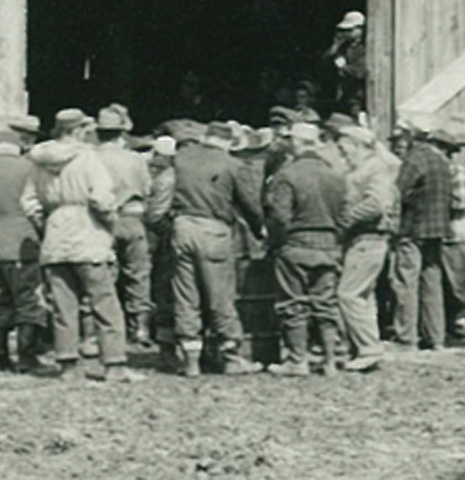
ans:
(453, 259)
(163, 263)
(69, 283)
(20, 301)
(132, 252)
(307, 282)
(204, 280)
(417, 282)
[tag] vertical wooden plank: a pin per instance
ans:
(13, 15)
(380, 58)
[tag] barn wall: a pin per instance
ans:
(430, 34)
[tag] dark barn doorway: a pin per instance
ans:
(242, 54)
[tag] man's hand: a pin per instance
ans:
(340, 62)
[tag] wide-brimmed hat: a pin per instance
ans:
(359, 134)
(124, 112)
(111, 119)
(184, 130)
(443, 138)
(306, 131)
(337, 121)
(219, 130)
(28, 124)
(69, 119)
(283, 116)
(352, 20)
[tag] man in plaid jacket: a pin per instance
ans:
(426, 193)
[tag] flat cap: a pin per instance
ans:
(184, 130)
(306, 131)
(339, 120)
(352, 20)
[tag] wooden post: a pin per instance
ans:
(13, 21)
(380, 58)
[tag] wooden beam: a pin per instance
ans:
(380, 58)
(439, 91)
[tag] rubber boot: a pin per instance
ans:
(192, 351)
(89, 347)
(27, 342)
(329, 338)
(144, 323)
(5, 363)
(296, 365)
(168, 358)
(234, 363)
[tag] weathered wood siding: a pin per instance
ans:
(430, 35)
(380, 58)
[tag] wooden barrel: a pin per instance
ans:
(256, 295)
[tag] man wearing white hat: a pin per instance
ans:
(158, 221)
(369, 222)
(303, 220)
(348, 56)
(132, 185)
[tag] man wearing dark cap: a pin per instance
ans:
(132, 184)
(69, 197)
(208, 189)
(20, 278)
(426, 193)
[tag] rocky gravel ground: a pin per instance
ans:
(405, 421)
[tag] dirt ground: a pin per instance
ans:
(405, 421)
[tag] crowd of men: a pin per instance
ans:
(120, 243)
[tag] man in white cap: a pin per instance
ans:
(159, 223)
(69, 197)
(132, 184)
(303, 222)
(349, 58)
(369, 222)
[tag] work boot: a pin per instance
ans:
(27, 342)
(71, 371)
(6, 364)
(363, 364)
(144, 323)
(168, 358)
(89, 347)
(192, 351)
(122, 374)
(234, 363)
(290, 369)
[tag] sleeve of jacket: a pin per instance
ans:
(30, 202)
(247, 199)
(376, 198)
(161, 198)
(280, 212)
(102, 200)
(410, 176)
(356, 67)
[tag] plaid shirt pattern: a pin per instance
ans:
(425, 185)
(457, 171)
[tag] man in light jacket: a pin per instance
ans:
(69, 196)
